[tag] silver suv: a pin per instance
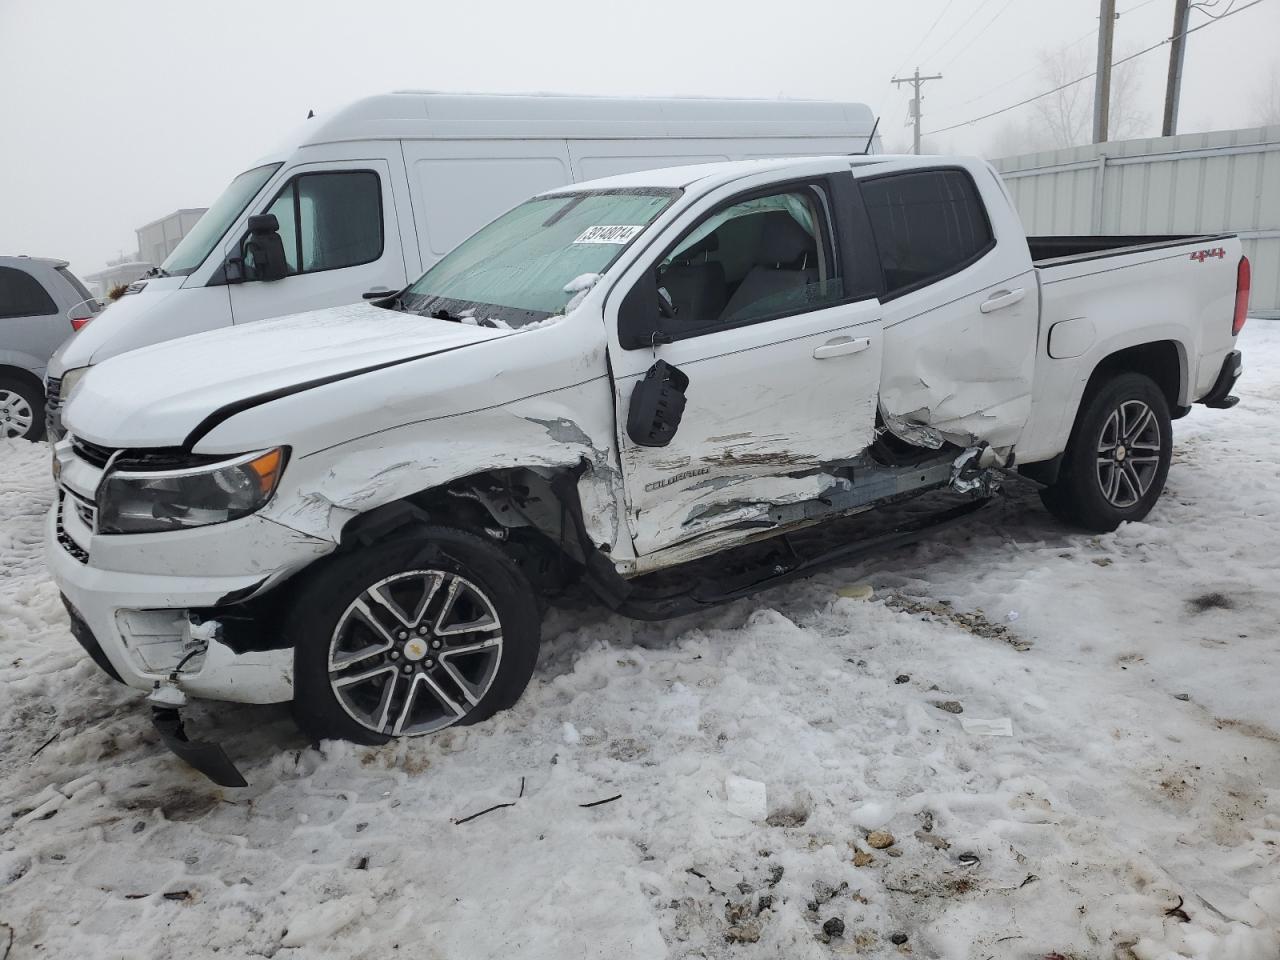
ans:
(41, 304)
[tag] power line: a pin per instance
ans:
(928, 33)
(1092, 73)
(1080, 39)
(980, 33)
(958, 30)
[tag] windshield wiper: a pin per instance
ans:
(442, 314)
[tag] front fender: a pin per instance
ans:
(322, 491)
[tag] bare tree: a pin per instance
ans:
(1266, 99)
(1065, 117)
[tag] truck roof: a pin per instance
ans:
(411, 114)
(726, 170)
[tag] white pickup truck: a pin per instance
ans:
(655, 385)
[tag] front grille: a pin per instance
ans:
(64, 538)
(154, 458)
(91, 452)
(53, 392)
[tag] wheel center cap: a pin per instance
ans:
(415, 649)
(1121, 453)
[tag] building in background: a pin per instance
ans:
(121, 271)
(158, 238)
(1198, 183)
(156, 241)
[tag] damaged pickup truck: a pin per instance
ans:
(358, 510)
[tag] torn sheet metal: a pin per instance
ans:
(541, 432)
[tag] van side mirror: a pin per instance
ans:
(264, 250)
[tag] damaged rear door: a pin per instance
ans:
(961, 305)
(749, 348)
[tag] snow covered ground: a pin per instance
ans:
(1134, 810)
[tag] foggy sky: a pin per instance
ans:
(116, 112)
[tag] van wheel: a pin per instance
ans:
(1118, 457)
(407, 637)
(21, 408)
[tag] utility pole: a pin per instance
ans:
(916, 81)
(1173, 90)
(1102, 84)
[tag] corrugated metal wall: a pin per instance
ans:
(1222, 182)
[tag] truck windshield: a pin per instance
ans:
(192, 250)
(530, 262)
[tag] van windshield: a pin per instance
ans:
(530, 262)
(192, 250)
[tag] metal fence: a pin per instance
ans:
(1222, 182)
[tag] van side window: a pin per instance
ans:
(928, 224)
(22, 296)
(757, 259)
(330, 220)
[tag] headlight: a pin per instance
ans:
(71, 380)
(148, 501)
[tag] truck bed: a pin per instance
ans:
(1060, 249)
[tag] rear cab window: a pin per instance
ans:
(927, 225)
(21, 295)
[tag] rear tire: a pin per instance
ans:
(1117, 459)
(21, 408)
(409, 636)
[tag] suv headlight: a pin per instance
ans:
(149, 501)
(71, 380)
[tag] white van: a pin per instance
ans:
(367, 200)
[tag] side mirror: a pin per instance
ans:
(642, 312)
(264, 250)
(657, 404)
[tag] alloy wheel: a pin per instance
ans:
(415, 652)
(1128, 457)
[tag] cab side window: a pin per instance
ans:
(330, 220)
(754, 260)
(928, 224)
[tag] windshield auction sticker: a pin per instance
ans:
(608, 234)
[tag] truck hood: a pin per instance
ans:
(156, 396)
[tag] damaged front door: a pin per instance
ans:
(961, 306)
(752, 304)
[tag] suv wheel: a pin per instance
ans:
(407, 637)
(21, 409)
(1118, 457)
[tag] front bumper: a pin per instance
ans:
(138, 621)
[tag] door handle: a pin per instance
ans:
(841, 347)
(377, 293)
(1005, 298)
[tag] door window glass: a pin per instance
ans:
(927, 224)
(22, 296)
(330, 220)
(755, 260)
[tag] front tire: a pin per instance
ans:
(410, 636)
(1117, 459)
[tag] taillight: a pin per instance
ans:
(1242, 296)
(78, 322)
